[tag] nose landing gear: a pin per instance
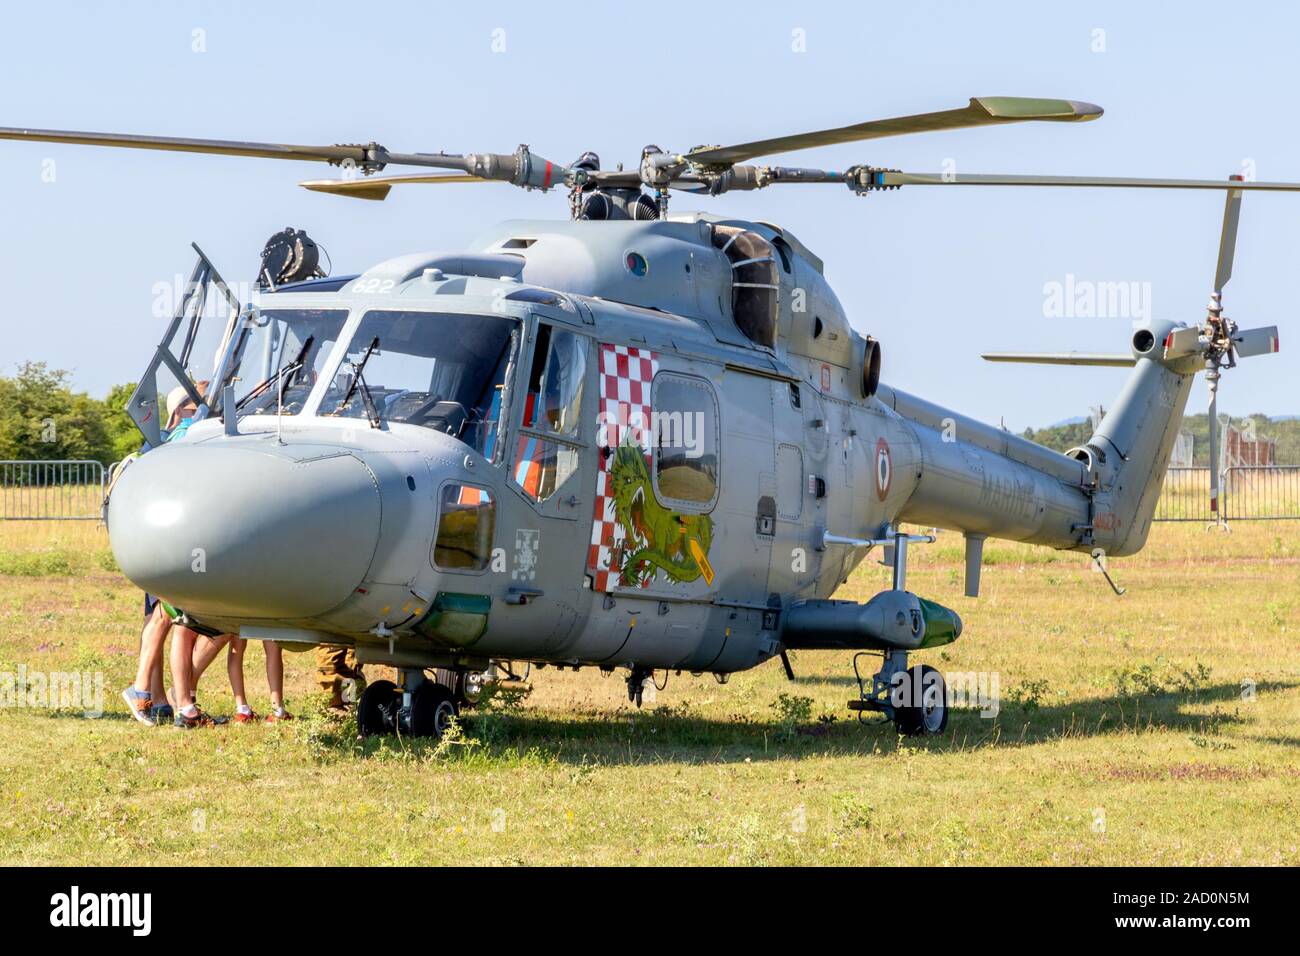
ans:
(419, 708)
(377, 709)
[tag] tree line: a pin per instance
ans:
(1284, 431)
(43, 419)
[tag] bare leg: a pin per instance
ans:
(275, 673)
(157, 689)
(206, 650)
(152, 639)
(183, 640)
(235, 669)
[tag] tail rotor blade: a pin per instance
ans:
(1182, 341)
(1261, 341)
(1228, 238)
(1062, 358)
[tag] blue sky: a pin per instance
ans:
(936, 274)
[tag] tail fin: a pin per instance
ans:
(1128, 454)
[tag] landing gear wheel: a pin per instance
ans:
(377, 709)
(469, 689)
(466, 686)
(433, 706)
(920, 702)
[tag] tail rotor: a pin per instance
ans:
(1218, 339)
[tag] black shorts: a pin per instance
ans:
(150, 602)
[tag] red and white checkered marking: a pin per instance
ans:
(626, 375)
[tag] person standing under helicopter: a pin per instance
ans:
(146, 697)
(336, 666)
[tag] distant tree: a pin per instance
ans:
(41, 418)
(1061, 437)
(123, 436)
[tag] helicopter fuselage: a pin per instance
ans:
(613, 443)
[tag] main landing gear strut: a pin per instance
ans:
(636, 679)
(914, 698)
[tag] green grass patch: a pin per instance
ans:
(37, 564)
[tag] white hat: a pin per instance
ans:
(175, 399)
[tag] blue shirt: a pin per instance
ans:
(181, 428)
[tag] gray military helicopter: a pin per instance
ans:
(629, 440)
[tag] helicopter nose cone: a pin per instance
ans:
(236, 532)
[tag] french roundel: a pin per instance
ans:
(884, 469)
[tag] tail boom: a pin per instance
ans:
(984, 481)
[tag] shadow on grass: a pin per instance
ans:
(673, 735)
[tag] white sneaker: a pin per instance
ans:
(138, 707)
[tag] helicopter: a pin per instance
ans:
(632, 439)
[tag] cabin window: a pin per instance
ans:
(466, 521)
(686, 442)
(754, 283)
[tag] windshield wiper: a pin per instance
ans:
(291, 369)
(359, 382)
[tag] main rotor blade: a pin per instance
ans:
(884, 178)
(521, 168)
(1228, 238)
(378, 187)
(981, 111)
(221, 147)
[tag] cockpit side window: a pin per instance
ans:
(548, 446)
(755, 286)
(555, 381)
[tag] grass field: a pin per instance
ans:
(1162, 727)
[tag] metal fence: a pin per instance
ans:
(1185, 496)
(51, 490)
(1261, 493)
(1246, 493)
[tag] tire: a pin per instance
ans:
(377, 709)
(458, 681)
(467, 695)
(433, 706)
(921, 704)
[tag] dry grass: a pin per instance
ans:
(1124, 737)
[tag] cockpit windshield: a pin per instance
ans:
(281, 353)
(440, 371)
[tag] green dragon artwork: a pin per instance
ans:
(654, 538)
